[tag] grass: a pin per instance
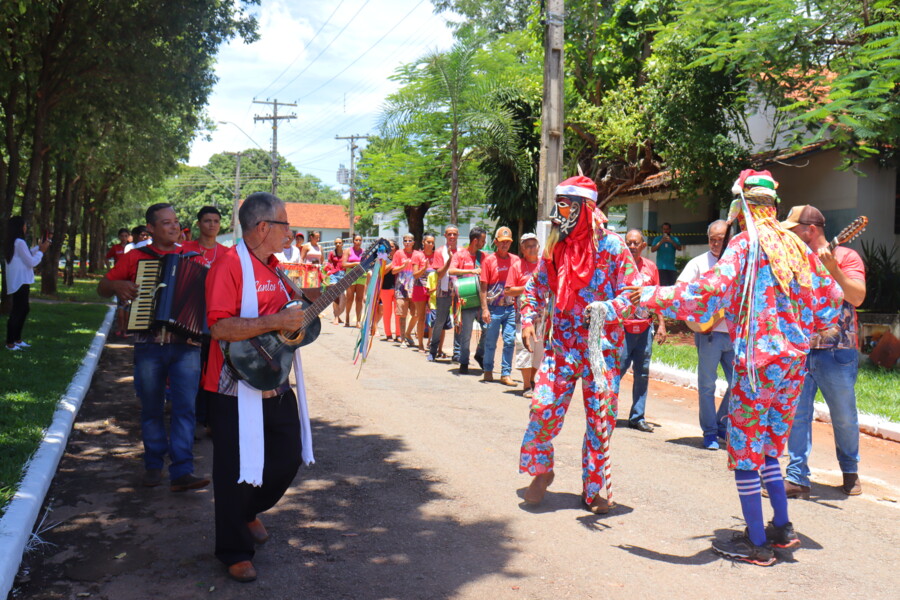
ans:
(32, 382)
(84, 290)
(877, 389)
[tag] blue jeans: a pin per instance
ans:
(638, 347)
(834, 372)
(442, 311)
(503, 318)
(713, 349)
(154, 365)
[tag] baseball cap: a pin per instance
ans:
(805, 214)
(527, 236)
(504, 234)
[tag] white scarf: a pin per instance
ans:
(251, 438)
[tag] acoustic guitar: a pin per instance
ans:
(264, 362)
(847, 234)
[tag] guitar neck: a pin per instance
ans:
(331, 293)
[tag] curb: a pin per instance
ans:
(23, 510)
(869, 424)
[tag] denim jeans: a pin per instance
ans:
(834, 372)
(713, 349)
(503, 319)
(442, 311)
(154, 366)
(467, 318)
(638, 347)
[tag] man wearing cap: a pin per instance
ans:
(777, 295)
(714, 347)
(832, 363)
(639, 336)
(520, 273)
(585, 265)
(498, 309)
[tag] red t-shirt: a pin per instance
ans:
(115, 252)
(224, 287)
(851, 264)
(520, 272)
(404, 278)
(432, 263)
(649, 276)
(207, 255)
(494, 272)
(464, 261)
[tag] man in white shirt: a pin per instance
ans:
(714, 347)
(444, 296)
(290, 254)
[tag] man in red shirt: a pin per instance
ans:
(209, 222)
(833, 363)
(639, 336)
(116, 251)
(272, 417)
(498, 309)
(527, 361)
(161, 356)
(466, 263)
(444, 293)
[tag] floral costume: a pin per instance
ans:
(566, 358)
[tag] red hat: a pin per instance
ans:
(578, 186)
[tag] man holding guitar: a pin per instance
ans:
(832, 362)
(256, 433)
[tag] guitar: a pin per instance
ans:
(264, 362)
(847, 234)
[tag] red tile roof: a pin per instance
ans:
(317, 216)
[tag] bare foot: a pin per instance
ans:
(535, 492)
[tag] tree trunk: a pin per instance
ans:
(74, 226)
(454, 180)
(415, 219)
(86, 218)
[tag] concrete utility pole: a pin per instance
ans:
(274, 117)
(552, 114)
(235, 222)
(353, 148)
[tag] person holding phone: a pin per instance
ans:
(20, 264)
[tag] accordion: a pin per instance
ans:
(171, 294)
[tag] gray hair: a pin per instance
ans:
(258, 207)
(715, 223)
(641, 233)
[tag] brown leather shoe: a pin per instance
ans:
(258, 531)
(488, 376)
(535, 492)
(793, 490)
(507, 380)
(242, 571)
(851, 485)
(188, 482)
(601, 506)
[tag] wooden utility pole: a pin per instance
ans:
(352, 182)
(274, 117)
(552, 113)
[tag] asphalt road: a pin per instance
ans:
(415, 494)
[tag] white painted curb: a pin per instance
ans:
(870, 424)
(23, 510)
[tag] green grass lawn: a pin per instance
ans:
(877, 389)
(84, 290)
(32, 382)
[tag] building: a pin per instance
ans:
(333, 220)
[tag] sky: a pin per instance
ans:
(333, 60)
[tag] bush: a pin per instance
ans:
(882, 275)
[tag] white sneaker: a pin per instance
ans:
(14, 348)
(23, 344)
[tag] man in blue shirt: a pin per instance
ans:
(665, 246)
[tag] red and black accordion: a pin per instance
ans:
(171, 294)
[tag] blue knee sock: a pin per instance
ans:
(750, 493)
(774, 482)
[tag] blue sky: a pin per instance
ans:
(333, 60)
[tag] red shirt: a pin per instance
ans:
(432, 263)
(464, 261)
(115, 252)
(494, 273)
(850, 263)
(649, 276)
(520, 272)
(224, 288)
(207, 255)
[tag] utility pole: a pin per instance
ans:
(552, 115)
(274, 117)
(236, 206)
(353, 148)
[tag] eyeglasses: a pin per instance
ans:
(271, 222)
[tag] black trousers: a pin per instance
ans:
(667, 277)
(18, 312)
(239, 503)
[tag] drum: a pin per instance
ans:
(468, 291)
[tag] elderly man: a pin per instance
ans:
(639, 336)
(520, 273)
(584, 264)
(832, 363)
(444, 294)
(713, 346)
(160, 357)
(778, 295)
(498, 309)
(258, 435)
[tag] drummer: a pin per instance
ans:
(466, 263)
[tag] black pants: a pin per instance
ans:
(667, 277)
(239, 503)
(18, 312)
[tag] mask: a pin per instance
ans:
(567, 224)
